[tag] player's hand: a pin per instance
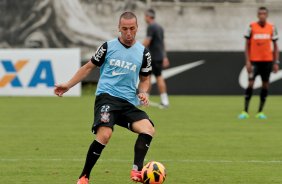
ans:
(60, 89)
(143, 97)
(166, 62)
(249, 67)
(275, 68)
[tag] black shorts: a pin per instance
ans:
(157, 67)
(261, 68)
(110, 110)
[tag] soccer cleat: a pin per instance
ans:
(136, 176)
(261, 115)
(83, 180)
(244, 115)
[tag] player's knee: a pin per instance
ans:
(251, 84)
(105, 137)
(104, 134)
(265, 85)
(149, 129)
(144, 126)
(152, 130)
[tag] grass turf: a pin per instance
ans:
(199, 139)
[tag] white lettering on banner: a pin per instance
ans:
(123, 64)
(34, 72)
(243, 78)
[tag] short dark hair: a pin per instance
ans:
(262, 8)
(128, 15)
(151, 13)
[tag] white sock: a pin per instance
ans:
(135, 167)
(164, 99)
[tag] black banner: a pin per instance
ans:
(208, 73)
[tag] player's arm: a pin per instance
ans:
(166, 62)
(149, 36)
(145, 78)
(275, 51)
(84, 71)
(143, 88)
(248, 35)
(147, 42)
(247, 57)
(276, 57)
(60, 89)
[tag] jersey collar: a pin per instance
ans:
(126, 46)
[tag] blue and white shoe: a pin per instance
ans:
(243, 115)
(261, 115)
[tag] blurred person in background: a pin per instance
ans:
(262, 57)
(154, 41)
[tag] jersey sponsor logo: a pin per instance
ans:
(99, 53)
(43, 74)
(123, 64)
(261, 36)
(114, 73)
(168, 73)
(243, 78)
(260, 43)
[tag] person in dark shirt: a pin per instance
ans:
(154, 41)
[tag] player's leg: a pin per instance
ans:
(104, 119)
(157, 71)
(103, 136)
(265, 71)
(249, 92)
(248, 95)
(263, 96)
(138, 121)
(163, 91)
(145, 131)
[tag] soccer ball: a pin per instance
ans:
(153, 173)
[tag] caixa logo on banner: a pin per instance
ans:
(34, 72)
(42, 75)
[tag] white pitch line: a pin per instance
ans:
(121, 160)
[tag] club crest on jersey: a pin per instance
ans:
(123, 64)
(105, 117)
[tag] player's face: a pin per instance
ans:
(262, 15)
(128, 29)
(147, 19)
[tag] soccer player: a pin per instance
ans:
(154, 41)
(122, 62)
(262, 57)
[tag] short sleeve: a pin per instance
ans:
(99, 57)
(248, 33)
(150, 31)
(275, 36)
(146, 67)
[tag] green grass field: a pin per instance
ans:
(199, 139)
